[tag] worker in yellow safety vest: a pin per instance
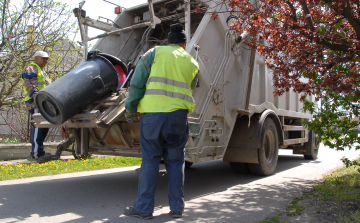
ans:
(34, 79)
(160, 90)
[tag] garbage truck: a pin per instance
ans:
(237, 118)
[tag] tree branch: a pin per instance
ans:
(23, 13)
(293, 11)
(3, 42)
(335, 47)
(12, 127)
(354, 22)
(308, 18)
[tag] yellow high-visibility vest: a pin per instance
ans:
(169, 82)
(41, 83)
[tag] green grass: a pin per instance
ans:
(274, 219)
(6, 140)
(354, 217)
(294, 208)
(341, 185)
(25, 170)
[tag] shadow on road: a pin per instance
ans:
(103, 197)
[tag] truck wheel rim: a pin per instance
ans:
(315, 145)
(269, 146)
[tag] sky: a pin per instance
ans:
(96, 8)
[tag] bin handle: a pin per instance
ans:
(98, 79)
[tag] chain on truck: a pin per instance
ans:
(236, 117)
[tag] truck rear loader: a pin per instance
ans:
(237, 118)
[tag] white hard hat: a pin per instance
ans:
(41, 54)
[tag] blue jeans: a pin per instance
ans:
(162, 135)
(37, 137)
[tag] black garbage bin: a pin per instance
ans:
(70, 94)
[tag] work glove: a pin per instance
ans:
(131, 116)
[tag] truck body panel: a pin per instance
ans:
(233, 99)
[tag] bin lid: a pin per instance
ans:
(114, 60)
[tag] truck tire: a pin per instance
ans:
(268, 152)
(312, 147)
(240, 168)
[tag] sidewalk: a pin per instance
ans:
(19, 161)
(63, 157)
(18, 151)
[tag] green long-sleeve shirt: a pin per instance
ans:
(138, 82)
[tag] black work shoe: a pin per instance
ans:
(46, 157)
(30, 159)
(130, 211)
(42, 159)
(176, 214)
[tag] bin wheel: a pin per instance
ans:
(268, 153)
(240, 168)
(312, 147)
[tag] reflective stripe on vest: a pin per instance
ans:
(169, 94)
(168, 81)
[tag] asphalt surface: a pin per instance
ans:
(213, 192)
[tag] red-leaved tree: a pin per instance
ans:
(313, 40)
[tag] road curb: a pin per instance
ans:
(15, 151)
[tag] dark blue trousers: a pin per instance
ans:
(162, 135)
(37, 137)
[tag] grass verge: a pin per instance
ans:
(335, 199)
(25, 170)
(341, 185)
(295, 208)
(274, 219)
(9, 141)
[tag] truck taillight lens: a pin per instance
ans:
(118, 10)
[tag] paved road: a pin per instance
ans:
(213, 193)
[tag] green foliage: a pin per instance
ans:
(335, 121)
(354, 217)
(5, 140)
(294, 208)
(349, 163)
(18, 171)
(341, 185)
(274, 219)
